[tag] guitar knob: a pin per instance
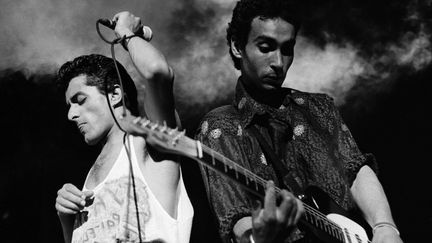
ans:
(301, 196)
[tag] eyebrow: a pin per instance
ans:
(267, 38)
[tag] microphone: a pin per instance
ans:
(144, 31)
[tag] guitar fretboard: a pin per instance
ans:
(174, 141)
(257, 185)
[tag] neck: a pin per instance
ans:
(115, 134)
(112, 138)
(273, 98)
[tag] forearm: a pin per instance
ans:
(157, 79)
(370, 197)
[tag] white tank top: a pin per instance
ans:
(112, 216)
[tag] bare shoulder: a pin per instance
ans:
(140, 148)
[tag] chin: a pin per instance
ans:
(90, 141)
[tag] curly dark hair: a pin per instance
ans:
(246, 10)
(100, 71)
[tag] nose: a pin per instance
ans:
(72, 112)
(277, 61)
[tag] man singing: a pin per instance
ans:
(128, 195)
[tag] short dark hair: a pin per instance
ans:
(100, 72)
(246, 10)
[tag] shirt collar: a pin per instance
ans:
(248, 108)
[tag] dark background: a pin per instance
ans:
(387, 114)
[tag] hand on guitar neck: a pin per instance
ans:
(274, 222)
(316, 214)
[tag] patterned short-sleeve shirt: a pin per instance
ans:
(311, 140)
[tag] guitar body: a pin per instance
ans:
(352, 231)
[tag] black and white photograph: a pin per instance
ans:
(217, 121)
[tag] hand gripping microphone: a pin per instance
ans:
(144, 31)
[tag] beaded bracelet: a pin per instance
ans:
(385, 224)
(125, 40)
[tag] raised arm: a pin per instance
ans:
(151, 64)
(163, 173)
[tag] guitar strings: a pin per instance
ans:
(333, 226)
(320, 216)
(253, 177)
(262, 182)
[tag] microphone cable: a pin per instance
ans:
(128, 151)
(112, 44)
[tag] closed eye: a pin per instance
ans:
(81, 101)
(265, 47)
(78, 98)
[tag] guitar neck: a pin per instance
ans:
(257, 185)
(173, 141)
(233, 171)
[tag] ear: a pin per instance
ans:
(116, 96)
(235, 50)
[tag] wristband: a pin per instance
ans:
(385, 224)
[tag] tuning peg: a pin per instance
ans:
(162, 129)
(180, 134)
(172, 131)
(136, 120)
(154, 126)
(177, 137)
(145, 123)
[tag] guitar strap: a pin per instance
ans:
(281, 171)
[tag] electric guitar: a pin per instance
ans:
(323, 218)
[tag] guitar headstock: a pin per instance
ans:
(162, 137)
